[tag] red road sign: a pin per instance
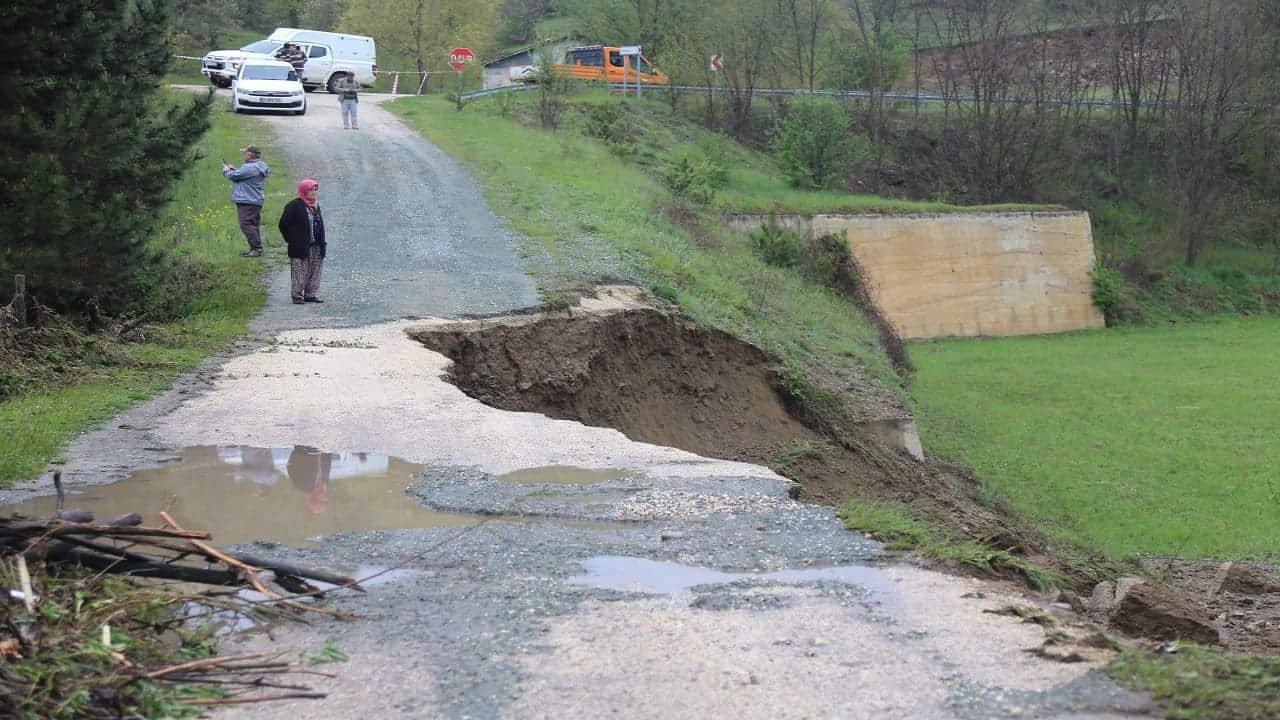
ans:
(459, 57)
(717, 62)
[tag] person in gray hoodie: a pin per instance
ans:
(247, 183)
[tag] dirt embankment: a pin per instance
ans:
(662, 379)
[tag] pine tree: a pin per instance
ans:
(90, 150)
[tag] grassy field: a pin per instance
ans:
(1140, 440)
(594, 215)
(200, 225)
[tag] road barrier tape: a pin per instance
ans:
(395, 74)
(912, 97)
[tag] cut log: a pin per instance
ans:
(75, 516)
(302, 571)
(149, 569)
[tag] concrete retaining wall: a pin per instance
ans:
(969, 274)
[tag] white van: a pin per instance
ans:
(329, 55)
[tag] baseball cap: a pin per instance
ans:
(252, 149)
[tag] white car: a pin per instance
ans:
(268, 85)
(329, 57)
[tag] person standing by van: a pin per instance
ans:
(349, 95)
(248, 183)
(293, 55)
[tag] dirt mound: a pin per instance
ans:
(1243, 598)
(662, 379)
(654, 378)
(1147, 608)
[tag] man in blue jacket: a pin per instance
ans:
(247, 182)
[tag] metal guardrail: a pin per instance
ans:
(776, 92)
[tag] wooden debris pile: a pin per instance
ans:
(41, 617)
(124, 546)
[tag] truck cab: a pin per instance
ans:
(329, 57)
(608, 64)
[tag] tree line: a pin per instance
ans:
(1185, 135)
(1187, 139)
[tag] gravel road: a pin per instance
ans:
(409, 233)
(686, 587)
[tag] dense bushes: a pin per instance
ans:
(1112, 295)
(814, 144)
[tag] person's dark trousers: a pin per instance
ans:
(251, 224)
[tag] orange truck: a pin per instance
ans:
(600, 63)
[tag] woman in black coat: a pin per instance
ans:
(302, 226)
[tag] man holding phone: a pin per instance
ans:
(247, 192)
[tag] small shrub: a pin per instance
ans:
(614, 126)
(1112, 295)
(776, 244)
(604, 122)
(505, 104)
(666, 292)
(552, 89)
(814, 145)
(694, 178)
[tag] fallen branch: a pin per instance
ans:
(264, 698)
(124, 546)
(251, 574)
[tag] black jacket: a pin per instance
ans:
(293, 227)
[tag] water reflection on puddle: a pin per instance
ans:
(245, 493)
(629, 574)
(564, 475)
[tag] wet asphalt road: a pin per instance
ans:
(504, 620)
(409, 233)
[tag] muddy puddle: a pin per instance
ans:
(630, 574)
(564, 475)
(289, 495)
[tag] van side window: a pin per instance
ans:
(318, 51)
(591, 58)
(615, 59)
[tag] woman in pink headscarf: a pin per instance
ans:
(302, 226)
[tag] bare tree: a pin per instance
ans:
(1222, 101)
(805, 20)
(873, 18)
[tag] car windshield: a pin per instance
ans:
(267, 72)
(264, 47)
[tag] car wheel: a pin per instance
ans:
(332, 85)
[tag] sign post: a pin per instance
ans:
(630, 51)
(459, 58)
